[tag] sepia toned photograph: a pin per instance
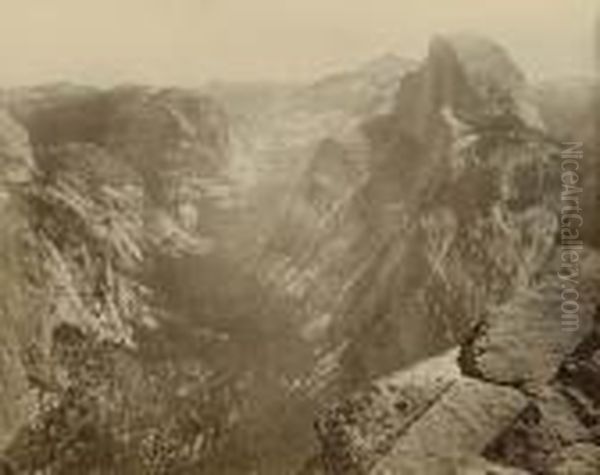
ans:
(299, 237)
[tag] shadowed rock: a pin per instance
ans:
(524, 341)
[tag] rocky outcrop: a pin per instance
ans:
(529, 395)
(175, 140)
(466, 151)
(425, 234)
(461, 423)
(96, 185)
(358, 431)
(524, 341)
(417, 247)
(17, 307)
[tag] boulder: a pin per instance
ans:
(359, 430)
(524, 341)
(467, 417)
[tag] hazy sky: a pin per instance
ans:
(191, 41)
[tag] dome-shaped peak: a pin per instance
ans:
(484, 61)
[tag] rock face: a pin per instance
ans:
(173, 139)
(526, 398)
(95, 185)
(463, 166)
(570, 109)
(16, 159)
(463, 422)
(410, 240)
(524, 341)
(358, 431)
(394, 251)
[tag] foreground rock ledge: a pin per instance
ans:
(464, 421)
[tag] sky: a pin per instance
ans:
(189, 42)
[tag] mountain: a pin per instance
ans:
(467, 164)
(17, 167)
(193, 279)
(425, 213)
(99, 184)
(276, 125)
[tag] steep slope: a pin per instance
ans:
(400, 240)
(17, 166)
(570, 109)
(195, 282)
(459, 172)
(98, 185)
(469, 170)
(276, 126)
